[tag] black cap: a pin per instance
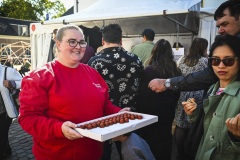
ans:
(148, 33)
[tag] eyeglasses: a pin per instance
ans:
(74, 43)
(226, 61)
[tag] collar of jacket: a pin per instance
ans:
(150, 42)
(231, 89)
(112, 49)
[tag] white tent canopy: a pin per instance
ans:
(207, 25)
(135, 15)
(163, 16)
(114, 9)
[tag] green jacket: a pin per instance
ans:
(143, 50)
(216, 143)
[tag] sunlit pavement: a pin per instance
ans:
(21, 143)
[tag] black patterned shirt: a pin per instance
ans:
(122, 72)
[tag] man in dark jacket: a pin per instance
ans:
(122, 72)
(227, 17)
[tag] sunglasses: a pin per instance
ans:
(226, 61)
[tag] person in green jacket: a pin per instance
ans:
(221, 135)
(144, 49)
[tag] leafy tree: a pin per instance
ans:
(31, 9)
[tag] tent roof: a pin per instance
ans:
(115, 9)
(208, 10)
(163, 16)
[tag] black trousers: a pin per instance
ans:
(5, 123)
(180, 136)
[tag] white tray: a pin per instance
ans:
(106, 133)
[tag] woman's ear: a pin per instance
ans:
(144, 38)
(58, 44)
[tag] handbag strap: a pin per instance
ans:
(5, 78)
(1, 99)
(5, 73)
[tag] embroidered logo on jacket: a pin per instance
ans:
(97, 85)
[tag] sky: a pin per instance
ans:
(67, 3)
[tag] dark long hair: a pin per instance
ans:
(162, 60)
(196, 51)
(232, 42)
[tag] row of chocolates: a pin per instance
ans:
(120, 118)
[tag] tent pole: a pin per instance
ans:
(173, 20)
(103, 24)
(177, 35)
(77, 6)
(64, 22)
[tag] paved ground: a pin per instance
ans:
(21, 144)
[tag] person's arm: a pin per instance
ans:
(234, 128)
(34, 104)
(233, 133)
(190, 108)
(13, 79)
(195, 81)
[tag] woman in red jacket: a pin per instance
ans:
(60, 94)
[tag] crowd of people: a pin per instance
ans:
(220, 134)
(80, 85)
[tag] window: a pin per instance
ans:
(21, 30)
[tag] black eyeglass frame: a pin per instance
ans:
(82, 43)
(229, 61)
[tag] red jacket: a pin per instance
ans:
(54, 94)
